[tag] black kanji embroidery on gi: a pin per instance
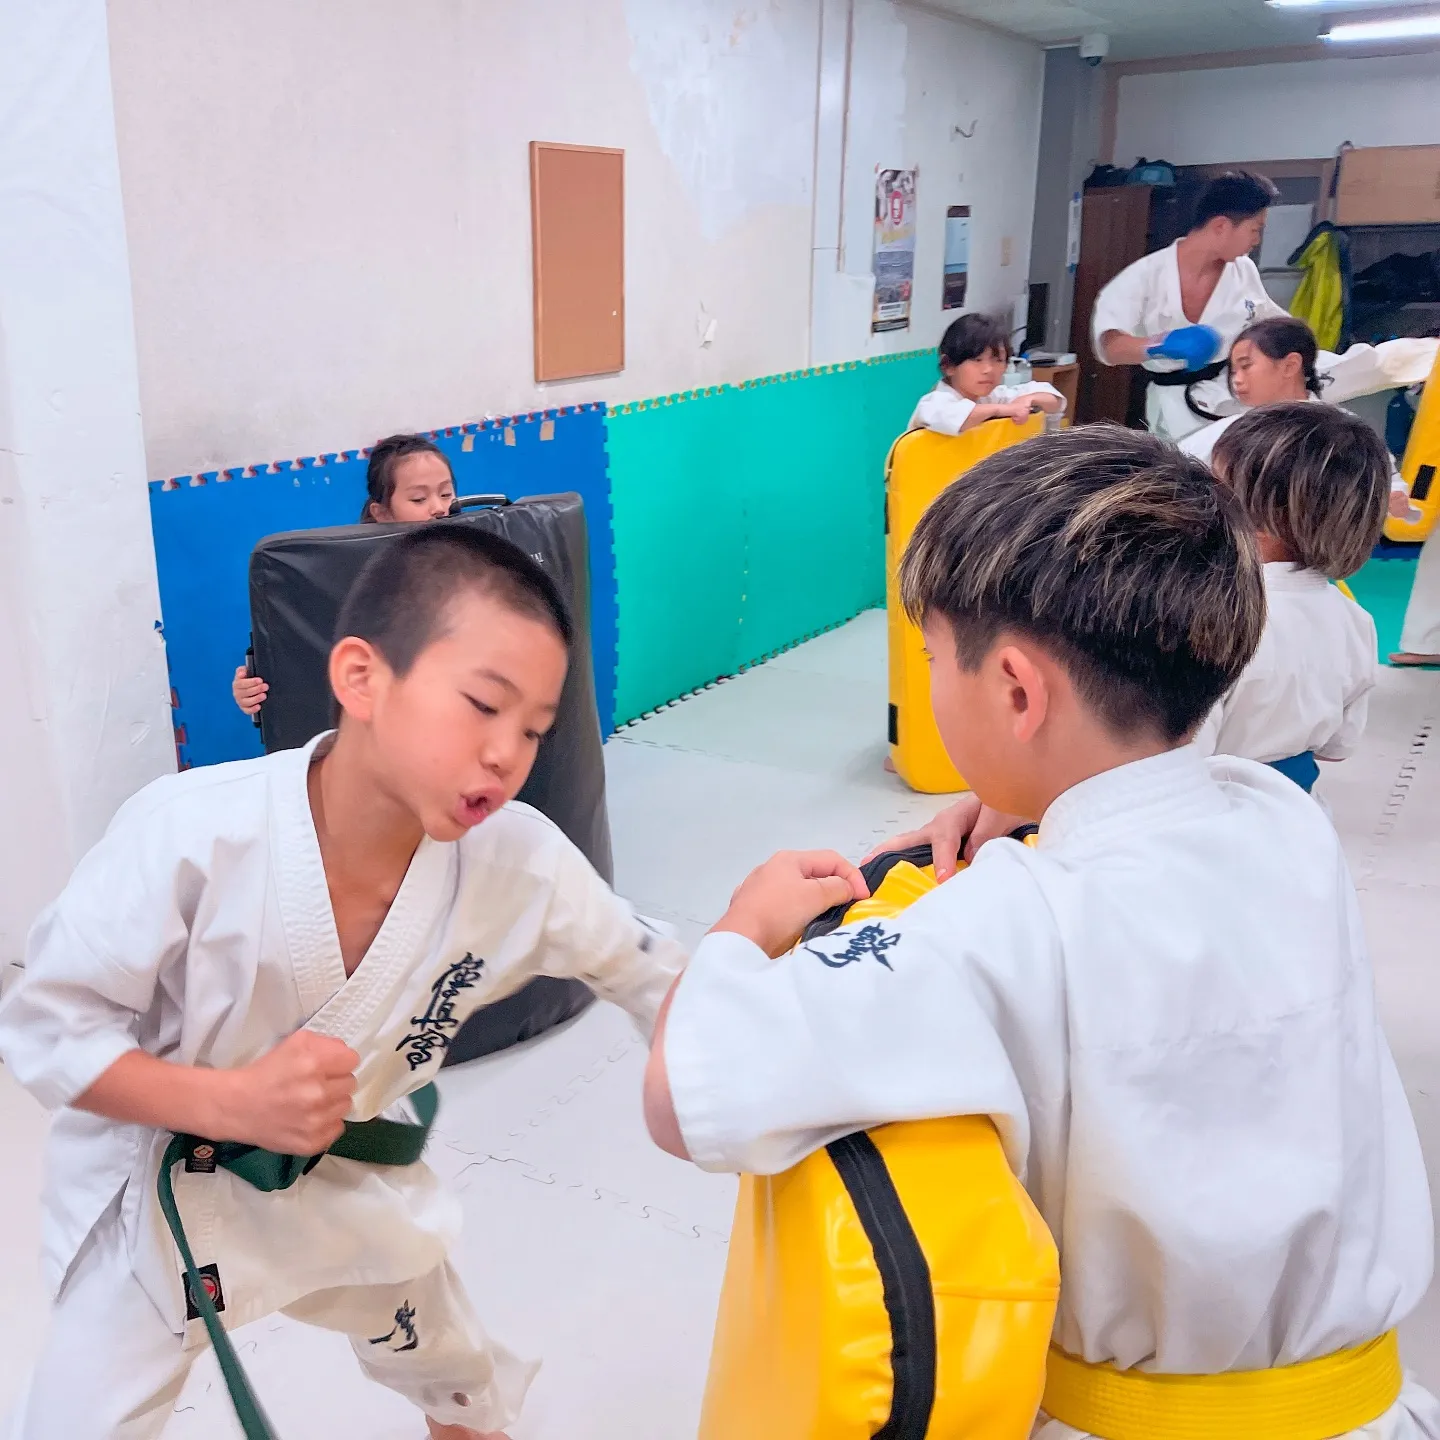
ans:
(404, 1325)
(433, 1030)
(869, 940)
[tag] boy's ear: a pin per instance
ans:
(1027, 690)
(357, 670)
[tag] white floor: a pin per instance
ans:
(586, 1245)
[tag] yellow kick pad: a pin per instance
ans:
(1417, 469)
(898, 1282)
(922, 464)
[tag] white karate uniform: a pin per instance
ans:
(1421, 632)
(200, 930)
(1144, 300)
(1308, 685)
(945, 409)
(1168, 1011)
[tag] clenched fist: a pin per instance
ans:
(293, 1100)
(778, 899)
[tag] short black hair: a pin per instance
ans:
(1237, 195)
(1117, 553)
(971, 336)
(1315, 477)
(400, 600)
(385, 455)
(1280, 335)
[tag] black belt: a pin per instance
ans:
(1187, 377)
(1172, 378)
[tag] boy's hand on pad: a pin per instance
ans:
(293, 1100)
(249, 691)
(1021, 408)
(777, 900)
(1401, 508)
(956, 832)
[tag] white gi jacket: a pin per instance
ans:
(1308, 685)
(945, 409)
(1168, 1010)
(1144, 299)
(200, 930)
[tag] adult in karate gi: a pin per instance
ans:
(1166, 1007)
(1177, 311)
(258, 953)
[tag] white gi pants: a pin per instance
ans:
(1421, 634)
(112, 1369)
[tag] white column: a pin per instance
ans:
(84, 698)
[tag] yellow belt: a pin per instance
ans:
(1313, 1400)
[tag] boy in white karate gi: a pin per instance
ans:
(1166, 1007)
(1315, 482)
(257, 952)
(973, 354)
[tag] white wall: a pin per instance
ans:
(328, 204)
(84, 702)
(1278, 112)
(915, 78)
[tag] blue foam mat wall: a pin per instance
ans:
(206, 525)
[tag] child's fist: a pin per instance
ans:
(1400, 506)
(249, 690)
(1020, 410)
(293, 1100)
(780, 898)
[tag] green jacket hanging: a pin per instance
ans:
(1322, 299)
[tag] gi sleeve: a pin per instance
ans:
(1120, 306)
(591, 934)
(943, 410)
(93, 964)
(1360, 681)
(1006, 394)
(1368, 369)
(940, 1011)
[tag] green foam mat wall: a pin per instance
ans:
(749, 517)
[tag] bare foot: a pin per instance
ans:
(889, 766)
(461, 1432)
(1410, 657)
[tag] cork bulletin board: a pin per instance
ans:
(577, 216)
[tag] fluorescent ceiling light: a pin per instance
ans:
(1406, 27)
(1315, 4)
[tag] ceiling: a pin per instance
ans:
(1149, 29)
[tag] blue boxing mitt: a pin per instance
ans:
(1194, 345)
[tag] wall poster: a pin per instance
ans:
(957, 256)
(894, 262)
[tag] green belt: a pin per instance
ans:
(375, 1142)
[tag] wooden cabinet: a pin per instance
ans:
(1389, 185)
(1114, 232)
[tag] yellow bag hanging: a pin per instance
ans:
(921, 464)
(898, 1284)
(1319, 299)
